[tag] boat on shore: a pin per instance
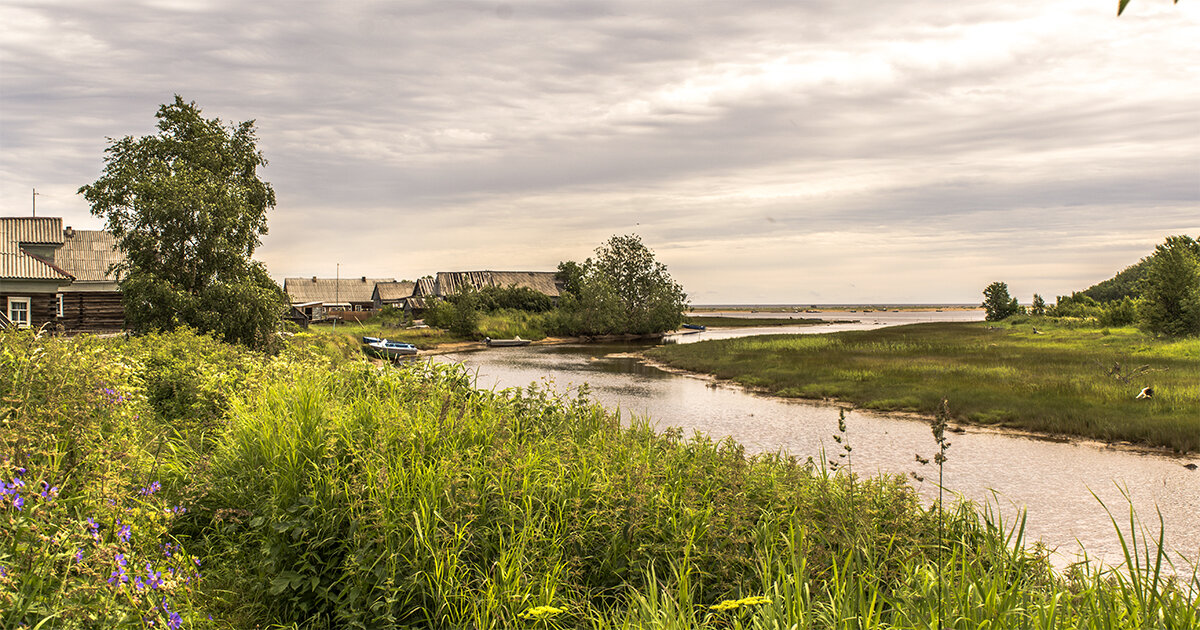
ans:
(694, 327)
(506, 343)
(390, 349)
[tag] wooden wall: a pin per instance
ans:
(92, 311)
(42, 306)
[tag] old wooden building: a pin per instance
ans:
(58, 277)
(334, 294)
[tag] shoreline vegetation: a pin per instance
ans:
(176, 481)
(1035, 374)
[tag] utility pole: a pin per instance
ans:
(35, 194)
(337, 290)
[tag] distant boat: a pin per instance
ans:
(371, 340)
(391, 349)
(694, 327)
(506, 343)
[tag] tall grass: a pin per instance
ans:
(324, 495)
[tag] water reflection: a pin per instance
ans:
(1053, 480)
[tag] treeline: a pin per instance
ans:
(622, 290)
(1160, 294)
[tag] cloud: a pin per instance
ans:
(516, 134)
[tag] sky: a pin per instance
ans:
(767, 151)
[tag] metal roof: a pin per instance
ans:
(31, 230)
(331, 290)
(18, 264)
(88, 254)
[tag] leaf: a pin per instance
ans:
(1121, 6)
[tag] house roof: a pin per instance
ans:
(454, 282)
(393, 291)
(425, 286)
(18, 264)
(331, 290)
(88, 254)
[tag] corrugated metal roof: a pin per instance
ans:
(331, 290)
(16, 263)
(87, 255)
(31, 230)
(392, 291)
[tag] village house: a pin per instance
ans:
(393, 294)
(58, 277)
(332, 294)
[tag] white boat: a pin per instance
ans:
(391, 349)
(506, 343)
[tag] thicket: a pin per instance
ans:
(174, 481)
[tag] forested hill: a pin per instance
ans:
(1120, 286)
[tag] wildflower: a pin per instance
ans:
(79, 554)
(124, 532)
(734, 604)
(18, 502)
(93, 529)
(539, 613)
(151, 489)
(49, 492)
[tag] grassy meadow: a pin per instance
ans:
(174, 481)
(1033, 374)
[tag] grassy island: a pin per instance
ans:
(1034, 374)
(172, 481)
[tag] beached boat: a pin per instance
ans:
(694, 327)
(370, 340)
(391, 349)
(506, 343)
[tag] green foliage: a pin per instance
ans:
(491, 299)
(1121, 4)
(997, 302)
(1038, 307)
(188, 209)
(465, 320)
(1121, 312)
(622, 290)
(1122, 285)
(1170, 303)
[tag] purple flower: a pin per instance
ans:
(151, 489)
(18, 502)
(124, 532)
(93, 529)
(48, 491)
(174, 621)
(79, 554)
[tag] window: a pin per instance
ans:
(18, 311)
(60, 304)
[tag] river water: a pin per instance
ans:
(1053, 481)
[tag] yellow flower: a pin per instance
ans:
(539, 613)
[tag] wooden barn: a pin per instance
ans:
(450, 283)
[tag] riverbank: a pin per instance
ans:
(176, 480)
(1055, 379)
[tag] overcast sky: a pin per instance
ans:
(768, 151)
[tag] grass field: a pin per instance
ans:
(1061, 379)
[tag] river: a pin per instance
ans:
(1053, 481)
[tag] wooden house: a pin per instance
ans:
(92, 302)
(393, 294)
(50, 275)
(334, 294)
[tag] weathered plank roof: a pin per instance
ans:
(392, 291)
(454, 282)
(331, 290)
(18, 264)
(425, 286)
(88, 254)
